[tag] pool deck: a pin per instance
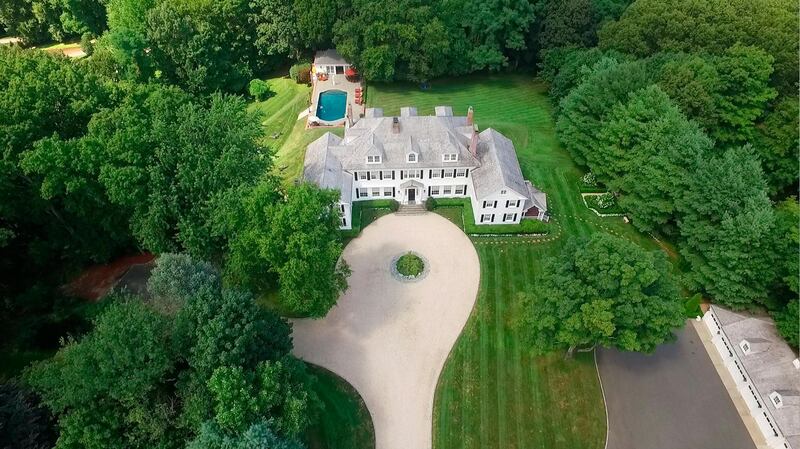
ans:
(334, 82)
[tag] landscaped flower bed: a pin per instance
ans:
(603, 204)
(410, 265)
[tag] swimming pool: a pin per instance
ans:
(331, 105)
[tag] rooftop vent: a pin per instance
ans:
(395, 125)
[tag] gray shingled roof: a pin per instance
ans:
(495, 167)
(329, 57)
(429, 136)
(769, 366)
(499, 166)
(323, 168)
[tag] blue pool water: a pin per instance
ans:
(331, 105)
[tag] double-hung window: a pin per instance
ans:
(486, 218)
(411, 157)
(434, 190)
(376, 191)
(461, 172)
(413, 174)
(512, 203)
(387, 174)
(509, 217)
(450, 157)
(361, 176)
(361, 192)
(373, 175)
(435, 174)
(387, 191)
(373, 159)
(460, 190)
(488, 204)
(448, 173)
(446, 190)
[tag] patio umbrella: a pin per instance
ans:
(350, 72)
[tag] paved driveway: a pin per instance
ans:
(672, 399)
(390, 339)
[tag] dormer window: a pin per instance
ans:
(373, 159)
(776, 399)
(412, 157)
(745, 345)
(503, 192)
(450, 157)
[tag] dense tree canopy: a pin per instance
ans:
(295, 238)
(646, 152)
(606, 292)
(727, 223)
(165, 159)
(651, 26)
(178, 368)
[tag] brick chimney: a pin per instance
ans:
(395, 125)
(473, 143)
(470, 116)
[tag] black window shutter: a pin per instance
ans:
(401, 175)
(515, 217)
(392, 174)
(430, 173)
(466, 173)
(367, 176)
(492, 218)
(380, 174)
(429, 190)
(392, 190)
(495, 206)
(422, 174)
(357, 197)
(442, 173)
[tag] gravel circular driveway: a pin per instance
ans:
(388, 338)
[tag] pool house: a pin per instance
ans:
(337, 91)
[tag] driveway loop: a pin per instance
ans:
(390, 339)
(403, 278)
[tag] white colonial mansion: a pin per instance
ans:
(411, 158)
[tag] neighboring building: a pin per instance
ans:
(411, 158)
(330, 62)
(765, 369)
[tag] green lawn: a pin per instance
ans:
(493, 393)
(344, 422)
(283, 133)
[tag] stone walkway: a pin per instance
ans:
(390, 339)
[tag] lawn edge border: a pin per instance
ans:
(603, 393)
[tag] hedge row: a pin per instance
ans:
(468, 218)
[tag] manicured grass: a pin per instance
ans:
(410, 265)
(284, 134)
(60, 46)
(345, 422)
(493, 393)
(365, 212)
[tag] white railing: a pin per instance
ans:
(744, 383)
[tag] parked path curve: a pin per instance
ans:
(390, 339)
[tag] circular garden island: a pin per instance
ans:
(409, 267)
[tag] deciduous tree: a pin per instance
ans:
(602, 292)
(727, 225)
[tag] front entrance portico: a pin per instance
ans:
(412, 192)
(411, 195)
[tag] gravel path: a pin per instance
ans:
(390, 339)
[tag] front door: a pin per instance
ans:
(412, 195)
